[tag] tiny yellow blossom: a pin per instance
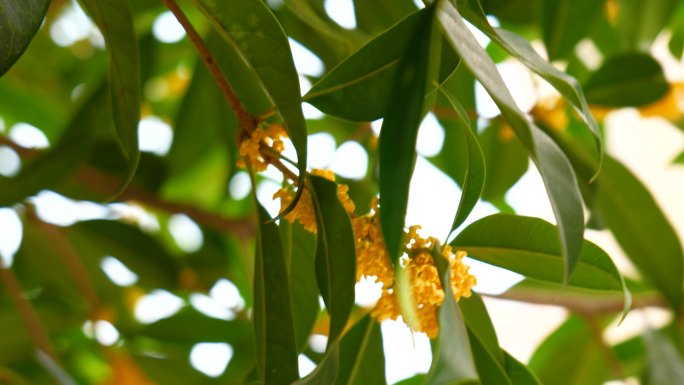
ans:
(250, 148)
(551, 112)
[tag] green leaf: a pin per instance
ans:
(518, 372)
(204, 329)
(59, 161)
(480, 325)
(641, 228)
(523, 51)
(19, 22)
(452, 359)
(362, 359)
(357, 358)
(299, 246)
(530, 246)
(639, 23)
(400, 131)
(665, 364)
(555, 169)
(565, 22)
(254, 32)
(376, 16)
(274, 329)
(361, 87)
(679, 159)
(627, 80)
(489, 369)
(474, 180)
(506, 161)
(335, 255)
(115, 20)
(570, 356)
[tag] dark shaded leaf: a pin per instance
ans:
(627, 80)
(530, 246)
(19, 21)
(299, 246)
(452, 359)
(254, 32)
(204, 329)
(566, 22)
(556, 171)
(276, 346)
(115, 20)
(518, 372)
(400, 131)
(335, 255)
(639, 23)
(631, 213)
(376, 16)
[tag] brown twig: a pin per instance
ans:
(246, 120)
(34, 326)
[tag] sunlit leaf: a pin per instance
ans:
(518, 372)
(641, 228)
(479, 324)
(19, 21)
(335, 255)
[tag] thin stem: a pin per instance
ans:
(34, 326)
(246, 120)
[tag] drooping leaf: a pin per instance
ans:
(522, 50)
(335, 255)
(19, 22)
(556, 171)
(518, 372)
(252, 29)
(326, 371)
(582, 363)
(474, 180)
(452, 359)
(490, 370)
(299, 246)
(399, 133)
(275, 335)
(530, 246)
(479, 324)
(641, 228)
(566, 22)
(361, 87)
(665, 363)
(59, 161)
(627, 80)
(115, 20)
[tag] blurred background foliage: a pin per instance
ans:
(118, 174)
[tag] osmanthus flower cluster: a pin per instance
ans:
(372, 258)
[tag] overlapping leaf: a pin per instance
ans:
(555, 169)
(566, 22)
(19, 22)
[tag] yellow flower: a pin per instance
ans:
(250, 148)
(460, 280)
(387, 306)
(551, 112)
(372, 259)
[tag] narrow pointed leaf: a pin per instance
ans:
(362, 359)
(506, 161)
(274, 329)
(522, 50)
(115, 20)
(474, 180)
(299, 246)
(642, 229)
(478, 322)
(19, 22)
(556, 171)
(335, 255)
(399, 134)
(530, 246)
(452, 359)
(490, 370)
(252, 29)
(326, 371)
(518, 373)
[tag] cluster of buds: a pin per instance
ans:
(252, 147)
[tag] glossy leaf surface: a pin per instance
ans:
(19, 21)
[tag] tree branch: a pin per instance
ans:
(34, 326)
(246, 120)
